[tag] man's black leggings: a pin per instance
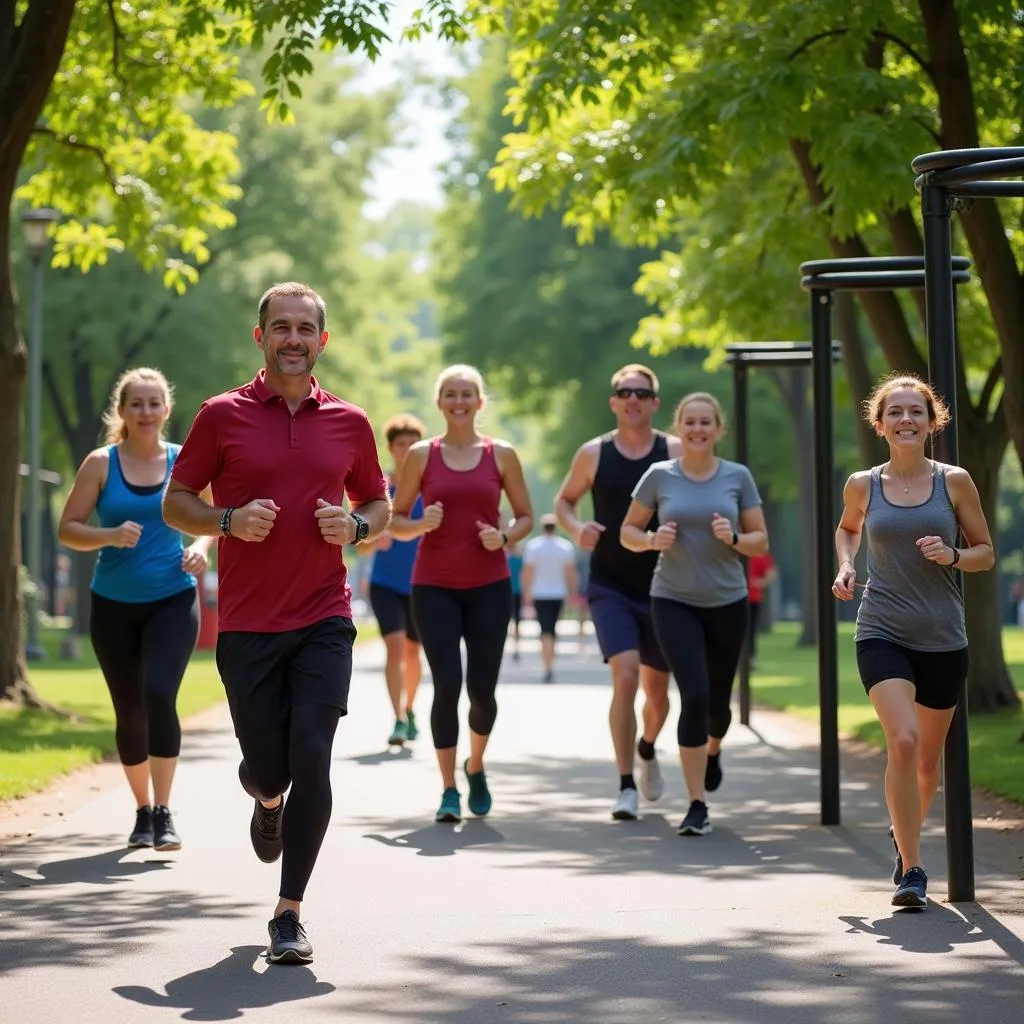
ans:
(444, 618)
(702, 647)
(143, 650)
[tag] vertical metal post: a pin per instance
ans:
(33, 648)
(828, 674)
(940, 309)
(741, 426)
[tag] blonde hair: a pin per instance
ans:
(875, 403)
(700, 396)
(470, 373)
(635, 368)
(112, 418)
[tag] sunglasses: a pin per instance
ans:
(639, 392)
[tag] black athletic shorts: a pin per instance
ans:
(393, 612)
(548, 612)
(938, 676)
(265, 675)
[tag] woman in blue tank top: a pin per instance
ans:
(145, 614)
(911, 638)
(390, 587)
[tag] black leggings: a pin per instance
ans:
(702, 647)
(444, 617)
(299, 754)
(143, 650)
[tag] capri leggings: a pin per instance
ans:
(702, 647)
(444, 617)
(143, 650)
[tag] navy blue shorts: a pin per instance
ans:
(623, 623)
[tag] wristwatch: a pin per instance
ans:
(362, 528)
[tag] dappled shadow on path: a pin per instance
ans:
(753, 977)
(230, 987)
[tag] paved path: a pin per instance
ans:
(547, 911)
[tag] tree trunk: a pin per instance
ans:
(30, 53)
(989, 686)
(858, 376)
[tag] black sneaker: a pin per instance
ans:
(265, 832)
(912, 890)
(164, 836)
(713, 772)
(897, 871)
(288, 942)
(142, 834)
(696, 822)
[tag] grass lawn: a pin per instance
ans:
(787, 679)
(37, 747)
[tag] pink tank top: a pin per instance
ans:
(452, 555)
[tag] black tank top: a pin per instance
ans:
(612, 565)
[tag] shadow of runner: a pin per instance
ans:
(442, 840)
(107, 868)
(229, 987)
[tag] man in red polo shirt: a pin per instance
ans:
(281, 455)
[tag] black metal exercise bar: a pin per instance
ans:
(942, 178)
(741, 355)
(821, 278)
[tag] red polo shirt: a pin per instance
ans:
(248, 445)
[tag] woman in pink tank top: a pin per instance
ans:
(460, 585)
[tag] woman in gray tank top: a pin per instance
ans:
(910, 637)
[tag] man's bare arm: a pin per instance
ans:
(187, 511)
(577, 483)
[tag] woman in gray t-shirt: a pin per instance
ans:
(710, 514)
(911, 641)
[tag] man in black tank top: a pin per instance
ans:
(609, 467)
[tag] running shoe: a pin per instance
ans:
(164, 835)
(713, 772)
(288, 942)
(450, 810)
(696, 822)
(412, 730)
(265, 831)
(549, 676)
(399, 734)
(912, 890)
(650, 779)
(479, 795)
(142, 834)
(897, 871)
(627, 806)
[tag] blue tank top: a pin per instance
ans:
(393, 568)
(151, 570)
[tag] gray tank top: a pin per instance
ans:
(909, 600)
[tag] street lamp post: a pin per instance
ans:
(36, 227)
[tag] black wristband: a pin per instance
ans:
(504, 539)
(225, 522)
(956, 557)
(735, 538)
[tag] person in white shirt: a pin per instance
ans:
(548, 580)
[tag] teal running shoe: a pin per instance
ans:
(399, 734)
(410, 724)
(451, 807)
(479, 795)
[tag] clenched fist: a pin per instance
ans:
(490, 536)
(722, 528)
(336, 525)
(432, 516)
(253, 522)
(126, 535)
(664, 537)
(589, 535)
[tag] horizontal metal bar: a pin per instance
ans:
(988, 189)
(778, 358)
(986, 170)
(872, 282)
(944, 159)
(873, 263)
(768, 346)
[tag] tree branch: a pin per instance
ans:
(73, 142)
(995, 375)
(906, 48)
(808, 43)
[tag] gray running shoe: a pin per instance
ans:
(288, 942)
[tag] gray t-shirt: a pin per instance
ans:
(698, 569)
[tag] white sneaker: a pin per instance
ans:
(626, 806)
(652, 785)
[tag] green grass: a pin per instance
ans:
(37, 747)
(787, 679)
